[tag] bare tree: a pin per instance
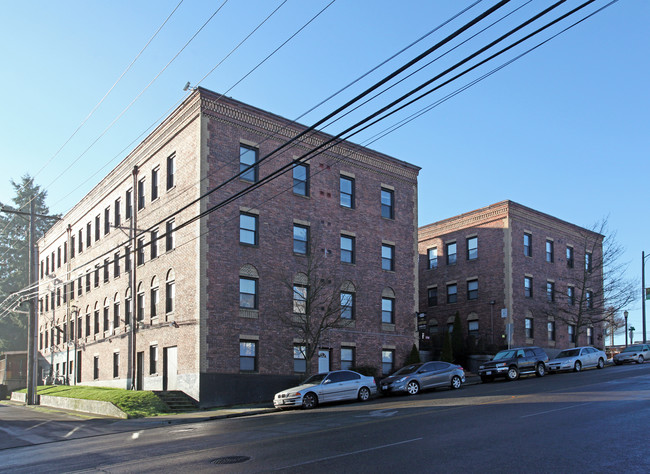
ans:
(613, 325)
(599, 285)
(321, 302)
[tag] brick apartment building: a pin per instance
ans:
(208, 280)
(509, 264)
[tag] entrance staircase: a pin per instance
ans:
(176, 401)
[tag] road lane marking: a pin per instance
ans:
(328, 458)
(72, 431)
(556, 409)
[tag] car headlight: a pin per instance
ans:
(501, 364)
(481, 367)
(402, 379)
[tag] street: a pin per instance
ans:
(593, 421)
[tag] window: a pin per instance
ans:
(432, 297)
(81, 242)
(141, 191)
(248, 158)
(550, 291)
(569, 257)
(116, 312)
(472, 290)
(154, 302)
(116, 264)
(347, 305)
(58, 257)
(528, 245)
(72, 246)
(589, 298)
(154, 244)
(300, 239)
(248, 356)
(127, 258)
(549, 251)
(451, 253)
(96, 367)
(388, 310)
(106, 270)
(170, 239)
(387, 205)
(300, 299)
(301, 179)
(96, 279)
(432, 258)
(588, 262)
(171, 171)
(550, 327)
(452, 293)
(299, 362)
(528, 287)
(154, 183)
(106, 315)
(590, 336)
(347, 358)
(107, 221)
(117, 217)
(89, 235)
(572, 333)
(116, 364)
(140, 304)
(128, 202)
(128, 302)
(98, 224)
(79, 333)
(387, 257)
(472, 248)
(387, 361)
(153, 360)
(170, 295)
(247, 229)
(472, 327)
(247, 293)
(347, 249)
(346, 187)
(528, 324)
(96, 317)
(570, 295)
(140, 252)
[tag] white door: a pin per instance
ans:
(323, 361)
(171, 367)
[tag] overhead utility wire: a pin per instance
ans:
(313, 127)
(101, 101)
(137, 97)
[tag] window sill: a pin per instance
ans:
(347, 323)
(248, 313)
(244, 244)
(390, 327)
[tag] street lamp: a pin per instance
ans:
(625, 313)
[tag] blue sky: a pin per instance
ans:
(561, 130)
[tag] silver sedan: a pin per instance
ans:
(638, 353)
(327, 387)
(412, 378)
(578, 358)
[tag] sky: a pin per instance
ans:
(562, 129)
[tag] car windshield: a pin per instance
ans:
(409, 369)
(568, 353)
(315, 379)
(505, 355)
(633, 349)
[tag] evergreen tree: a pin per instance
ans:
(457, 340)
(447, 355)
(413, 357)
(14, 256)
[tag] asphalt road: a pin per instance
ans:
(593, 421)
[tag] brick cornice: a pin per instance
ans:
(470, 219)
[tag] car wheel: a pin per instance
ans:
(513, 373)
(456, 383)
(540, 370)
(617, 362)
(412, 387)
(639, 360)
(309, 401)
(578, 366)
(487, 378)
(601, 363)
(364, 394)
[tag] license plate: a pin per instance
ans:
(489, 372)
(384, 387)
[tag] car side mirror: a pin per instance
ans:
(327, 381)
(519, 356)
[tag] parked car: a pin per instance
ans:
(327, 387)
(577, 359)
(638, 353)
(511, 363)
(415, 377)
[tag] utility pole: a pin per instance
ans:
(134, 289)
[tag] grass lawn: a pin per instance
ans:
(135, 403)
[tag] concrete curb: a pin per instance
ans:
(95, 407)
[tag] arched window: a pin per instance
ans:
(140, 302)
(170, 292)
(154, 293)
(116, 311)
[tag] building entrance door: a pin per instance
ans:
(323, 360)
(170, 368)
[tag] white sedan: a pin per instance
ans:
(327, 387)
(578, 358)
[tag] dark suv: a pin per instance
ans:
(510, 363)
